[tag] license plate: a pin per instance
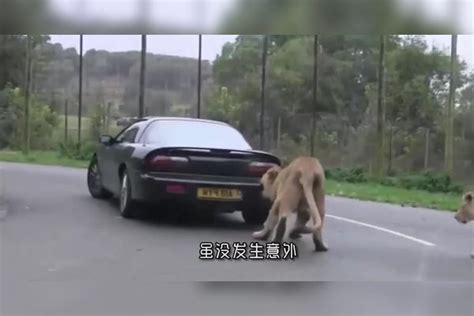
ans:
(219, 194)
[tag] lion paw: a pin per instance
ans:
(260, 235)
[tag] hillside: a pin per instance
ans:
(112, 77)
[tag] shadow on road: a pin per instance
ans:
(184, 216)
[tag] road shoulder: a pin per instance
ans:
(3, 202)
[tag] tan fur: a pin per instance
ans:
(297, 188)
(465, 213)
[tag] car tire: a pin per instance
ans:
(256, 214)
(127, 206)
(94, 181)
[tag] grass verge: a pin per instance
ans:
(43, 158)
(362, 191)
(381, 193)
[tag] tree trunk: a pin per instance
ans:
(107, 117)
(381, 110)
(262, 97)
(32, 75)
(79, 114)
(26, 127)
(278, 132)
(390, 151)
(65, 122)
(427, 148)
(141, 96)
(315, 90)
(449, 142)
(199, 77)
(271, 137)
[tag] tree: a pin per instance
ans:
(222, 107)
(199, 79)
(262, 88)
(79, 114)
(9, 103)
(288, 16)
(141, 97)
(28, 73)
(450, 109)
(315, 90)
(381, 110)
(12, 60)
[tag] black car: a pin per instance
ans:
(200, 162)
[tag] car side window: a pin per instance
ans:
(146, 133)
(128, 136)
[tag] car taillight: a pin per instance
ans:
(175, 188)
(165, 163)
(258, 169)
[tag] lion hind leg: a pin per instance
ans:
(300, 224)
(307, 184)
(281, 228)
(319, 194)
(270, 223)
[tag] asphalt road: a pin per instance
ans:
(65, 253)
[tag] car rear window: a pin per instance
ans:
(182, 133)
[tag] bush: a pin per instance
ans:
(353, 175)
(43, 121)
(71, 150)
(431, 182)
(388, 181)
(427, 181)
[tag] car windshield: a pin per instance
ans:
(187, 133)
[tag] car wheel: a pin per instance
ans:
(94, 181)
(256, 214)
(127, 205)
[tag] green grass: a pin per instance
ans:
(363, 191)
(43, 158)
(382, 193)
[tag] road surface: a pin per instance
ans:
(65, 253)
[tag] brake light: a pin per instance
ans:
(258, 169)
(165, 163)
(176, 188)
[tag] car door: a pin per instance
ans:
(108, 158)
(120, 153)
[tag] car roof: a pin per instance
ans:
(172, 118)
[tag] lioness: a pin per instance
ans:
(299, 188)
(465, 213)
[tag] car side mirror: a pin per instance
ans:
(106, 140)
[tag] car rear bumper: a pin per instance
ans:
(155, 188)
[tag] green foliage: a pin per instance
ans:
(8, 116)
(12, 60)
(97, 122)
(416, 96)
(12, 57)
(336, 16)
(353, 175)
(427, 181)
(43, 121)
(71, 150)
(222, 107)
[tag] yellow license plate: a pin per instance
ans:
(219, 194)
